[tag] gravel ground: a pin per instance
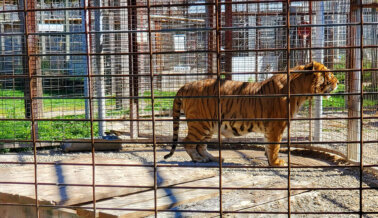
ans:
(250, 200)
(333, 131)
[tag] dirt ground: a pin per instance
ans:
(269, 201)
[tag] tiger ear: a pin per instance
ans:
(310, 66)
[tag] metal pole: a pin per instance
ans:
(43, 37)
(67, 29)
(100, 85)
(319, 56)
(86, 85)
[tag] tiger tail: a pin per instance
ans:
(176, 124)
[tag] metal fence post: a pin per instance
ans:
(100, 85)
(319, 56)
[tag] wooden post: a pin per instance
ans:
(210, 40)
(353, 83)
(133, 68)
(374, 51)
(32, 64)
(228, 41)
(115, 60)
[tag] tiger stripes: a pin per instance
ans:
(205, 106)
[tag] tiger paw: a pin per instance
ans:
(216, 159)
(201, 159)
(278, 162)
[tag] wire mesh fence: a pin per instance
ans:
(76, 70)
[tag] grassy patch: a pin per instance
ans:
(15, 108)
(49, 130)
(59, 130)
(160, 103)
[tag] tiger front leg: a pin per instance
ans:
(272, 150)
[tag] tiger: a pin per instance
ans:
(318, 81)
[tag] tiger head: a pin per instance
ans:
(323, 82)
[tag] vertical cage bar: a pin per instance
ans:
(288, 104)
(100, 83)
(219, 116)
(319, 56)
(361, 106)
(152, 103)
(32, 85)
(310, 59)
(88, 39)
(86, 79)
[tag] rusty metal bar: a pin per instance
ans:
(131, 38)
(361, 106)
(218, 20)
(186, 166)
(174, 74)
(225, 29)
(196, 187)
(192, 51)
(183, 166)
(310, 111)
(152, 104)
(184, 119)
(208, 96)
(193, 211)
(88, 39)
(366, 5)
(288, 102)
(30, 17)
(210, 143)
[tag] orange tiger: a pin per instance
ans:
(239, 108)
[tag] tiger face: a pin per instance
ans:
(326, 82)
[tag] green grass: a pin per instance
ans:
(20, 130)
(160, 103)
(59, 130)
(15, 108)
(49, 130)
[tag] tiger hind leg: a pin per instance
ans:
(191, 149)
(198, 132)
(202, 150)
